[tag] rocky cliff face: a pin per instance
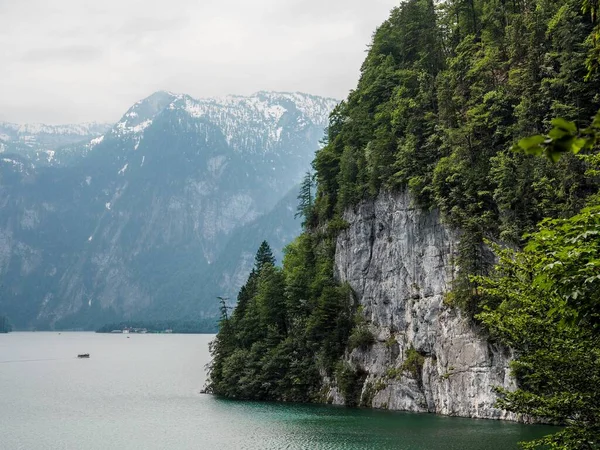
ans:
(427, 356)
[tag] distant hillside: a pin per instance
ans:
(143, 221)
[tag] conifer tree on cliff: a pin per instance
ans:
(263, 256)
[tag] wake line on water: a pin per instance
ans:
(33, 360)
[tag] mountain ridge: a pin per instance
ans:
(128, 224)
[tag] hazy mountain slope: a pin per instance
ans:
(230, 271)
(128, 222)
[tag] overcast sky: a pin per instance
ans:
(64, 61)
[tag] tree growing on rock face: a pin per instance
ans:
(445, 91)
(306, 198)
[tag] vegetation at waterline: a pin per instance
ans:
(289, 328)
(5, 326)
(446, 91)
(544, 302)
(203, 326)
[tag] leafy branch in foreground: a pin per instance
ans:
(563, 138)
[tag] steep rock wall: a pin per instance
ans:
(399, 261)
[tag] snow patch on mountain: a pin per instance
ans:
(19, 166)
(123, 127)
(44, 144)
(96, 141)
(249, 123)
(253, 122)
(29, 131)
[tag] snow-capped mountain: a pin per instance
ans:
(249, 124)
(32, 132)
(39, 142)
(143, 219)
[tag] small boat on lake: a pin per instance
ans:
(84, 355)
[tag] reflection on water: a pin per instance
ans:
(143, 393)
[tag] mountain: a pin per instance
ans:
(278, 227)
(144, 221)
(38, 142)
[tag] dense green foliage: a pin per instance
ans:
(444, 94)
(289, 326)
(203, 326)
(544, 302)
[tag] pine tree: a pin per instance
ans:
(264, 256)
(223, 308)
(306, 198)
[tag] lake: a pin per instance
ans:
(142, 392)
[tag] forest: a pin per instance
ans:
(486, 111)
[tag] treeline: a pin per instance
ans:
(203, 326)
(290, 327)
(5, 326)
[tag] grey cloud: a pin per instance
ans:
(139, 25)
(69, 53)
(326, 11)
(79, 60)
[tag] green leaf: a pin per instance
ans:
(596, 121)
(565, 125)
(564, 145)
(578, 144)
(553, 154)
(531, 142)
(535, 151)
(558, 133)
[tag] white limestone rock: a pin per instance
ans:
(399, 261)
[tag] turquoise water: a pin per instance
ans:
(142, 392)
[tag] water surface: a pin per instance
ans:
(142, 392)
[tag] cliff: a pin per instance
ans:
(398, 260)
